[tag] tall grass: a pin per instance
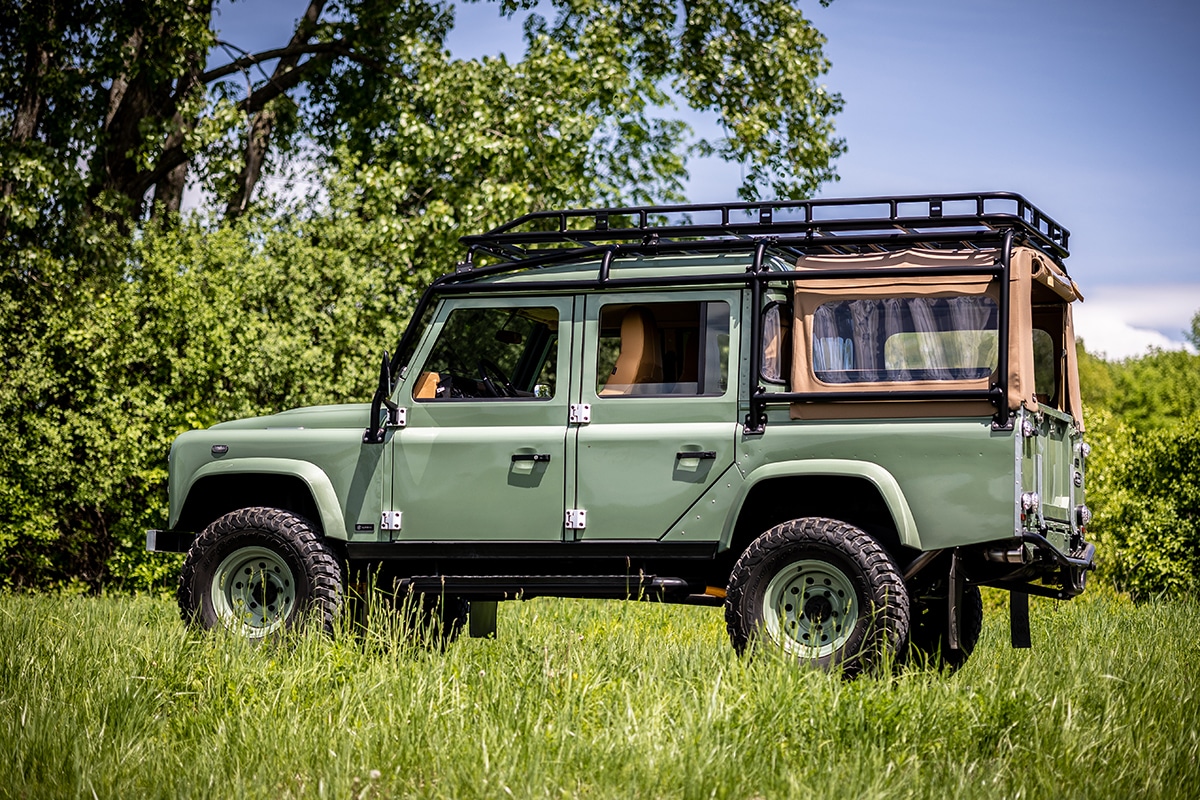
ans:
(113, 697)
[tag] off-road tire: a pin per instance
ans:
(851, 601)
(257, 571)
(929, 637)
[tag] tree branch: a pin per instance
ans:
(282, 83)
(292, 50)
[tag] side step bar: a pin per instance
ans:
(511, 587)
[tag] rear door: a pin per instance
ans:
(1051, 449)
(659, 383)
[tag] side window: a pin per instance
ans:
(1049, 335)
(899, 339)
(1045, 367)
(484, 353)
(777, 342)
(663, 349)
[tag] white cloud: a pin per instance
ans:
(1123, 321)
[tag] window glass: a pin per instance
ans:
(899, 339)
(777, 342)
(1045, 374)
(492, 353)
(663, 349)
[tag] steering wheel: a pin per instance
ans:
(494, 379)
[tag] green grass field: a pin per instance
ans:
(114, 698)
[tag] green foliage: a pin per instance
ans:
(114, 697)
(205, 324)
(1156, 390)
(119, 327)
(1144, 473)
(1145, 493)
(591, 102)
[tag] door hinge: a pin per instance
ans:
(581, 413)
(576, 519)
(390, 521)
(397, 417)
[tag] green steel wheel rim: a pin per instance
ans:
(810, 608)
(253, 591)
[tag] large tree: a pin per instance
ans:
(131, 93)
(123, 322)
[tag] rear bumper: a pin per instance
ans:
(1082, 559)
(169, 541)
(1037, 568)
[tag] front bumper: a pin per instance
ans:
(169, 541)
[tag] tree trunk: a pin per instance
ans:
(258, 137)
(29, 106)
(168, 191)
(130, 101)
(257, 141)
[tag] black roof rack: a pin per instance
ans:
(794, 226)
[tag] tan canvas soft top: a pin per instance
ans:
(1027, 266)
(1046, 272)
(900, 258)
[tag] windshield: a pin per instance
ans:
(412, 335)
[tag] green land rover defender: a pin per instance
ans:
(836, 418)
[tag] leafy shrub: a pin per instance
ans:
(1144, 487)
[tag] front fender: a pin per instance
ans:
(318, 483)
(884, 481)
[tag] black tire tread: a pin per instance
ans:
(271, 527)
(835, 535)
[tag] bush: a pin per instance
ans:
(1144, 488)
(185, 326)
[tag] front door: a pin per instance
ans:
(483, 454)
(657, 375)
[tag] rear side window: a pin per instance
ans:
(899, 339)
(777, 343)
(679, 348)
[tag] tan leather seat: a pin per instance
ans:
(426, 386)
(640, 359)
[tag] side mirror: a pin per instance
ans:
(383, 410)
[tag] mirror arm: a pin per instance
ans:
(376, 427)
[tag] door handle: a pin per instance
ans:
(705, 454)
(542, 457)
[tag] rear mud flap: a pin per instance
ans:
(1018, 619)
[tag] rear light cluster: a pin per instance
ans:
(1083, 515)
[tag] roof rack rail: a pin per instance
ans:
(805, 225)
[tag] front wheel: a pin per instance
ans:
(259, 570)
(822, 591)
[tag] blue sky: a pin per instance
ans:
(1089, 108)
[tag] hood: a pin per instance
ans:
(352, 415)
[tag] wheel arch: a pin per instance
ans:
(297, 486)
(861, 493)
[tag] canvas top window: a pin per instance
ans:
(904, 339)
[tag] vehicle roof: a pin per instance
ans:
(662, 241)
(643, 266)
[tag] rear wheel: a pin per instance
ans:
(257, 571)
(929, 640)
(822, 591)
